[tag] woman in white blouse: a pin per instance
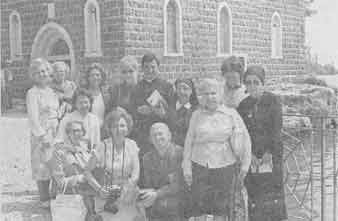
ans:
(82, 101)
(118, 157)
(217, 141)
(95, 79)
(42, 107)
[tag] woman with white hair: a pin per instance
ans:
(42, 107)
(217, 154)
(163, 177)
(63, 88)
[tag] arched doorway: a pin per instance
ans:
(54, 43)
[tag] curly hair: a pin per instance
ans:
(232, 63)
(94, 66)
(69, 127)
(114, 116)
(36, 63)
(82, 92)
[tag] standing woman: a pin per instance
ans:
(63, 88)
(95, 79)
(120, 94)
(262, 114)
(42, 107)
(181, 110)
(234, 91)
(217, 153)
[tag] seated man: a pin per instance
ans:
(163, 177)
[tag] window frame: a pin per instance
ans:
(179, 29)
(98, 51)
(274, 54)
(17, 55)
(219, 10)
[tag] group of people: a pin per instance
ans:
(144, 149)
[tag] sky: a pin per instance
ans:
(322, 31)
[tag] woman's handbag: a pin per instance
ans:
(68, 207)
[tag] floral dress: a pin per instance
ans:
(42, 108)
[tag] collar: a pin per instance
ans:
(186, 105)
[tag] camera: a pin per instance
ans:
(114, 195)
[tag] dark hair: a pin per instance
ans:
(114, 116)
(232, 63)
(94, 66)
(82, 92)
(256, 70)
(149, 57)
(193, 97)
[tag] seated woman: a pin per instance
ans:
(68, 165)
(217, 154)
(163, 177)
(82, 101)
(262, 114)
(117, 156)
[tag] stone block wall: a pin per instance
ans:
(132, 27)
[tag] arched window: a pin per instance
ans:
(276, 36)
(15, 35)
(172, 28)
(92, 29)
(224, 30)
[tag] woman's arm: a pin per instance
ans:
(186, 164)
(136, 165)
(33, 114)
(56, 165)
(241, 142)
(61, 134)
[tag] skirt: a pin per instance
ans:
(212, 189)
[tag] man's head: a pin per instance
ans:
(150, 66)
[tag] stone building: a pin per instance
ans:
(191, 37)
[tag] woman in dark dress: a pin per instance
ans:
(181, 110)
(262, 114)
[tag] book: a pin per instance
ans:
(155, 98)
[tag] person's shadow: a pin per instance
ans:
(23, 206)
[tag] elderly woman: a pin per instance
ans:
(234, 91)
(68, 166)
(120, 93)
(217, 153)
(82, 102)
(163, 177)
(42, 107)
(181, 110)
(95, 79)
(63, 88)
(262, 114)
(118, 157)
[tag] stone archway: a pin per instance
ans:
(54, 43)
